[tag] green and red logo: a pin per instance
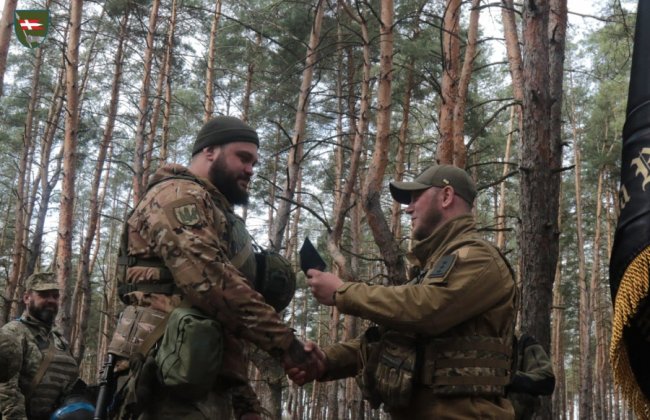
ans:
(31, 26)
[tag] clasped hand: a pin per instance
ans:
(311, 370)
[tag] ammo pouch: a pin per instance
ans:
(389, 368)
(396, 367)
(136, 323)
(369, 356)
(190, 353)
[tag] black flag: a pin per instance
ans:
(629, 269)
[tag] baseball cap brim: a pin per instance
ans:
(401, 190)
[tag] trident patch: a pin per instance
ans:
(188, 214)
(31, 26)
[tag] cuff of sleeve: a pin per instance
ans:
(344, 297)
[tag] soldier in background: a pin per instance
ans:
(443, 345)
(187, 256)
(10, 356)
(533, 377)
(47, 373)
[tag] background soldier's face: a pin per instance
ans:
(43, 304)
(232, 169)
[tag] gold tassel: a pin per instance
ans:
(633, 288)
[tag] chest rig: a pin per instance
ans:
(239, 252)
(54, 375)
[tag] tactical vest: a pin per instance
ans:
(60, 371)
(240, 253)
(461, 366)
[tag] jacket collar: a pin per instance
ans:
(177, 171)
(424, 250)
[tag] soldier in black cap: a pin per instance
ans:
(188, 256)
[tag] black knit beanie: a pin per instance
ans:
(222, 130)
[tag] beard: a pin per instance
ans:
(227, 182)
(428, 222)
(45, 313)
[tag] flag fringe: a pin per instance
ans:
(633, 288)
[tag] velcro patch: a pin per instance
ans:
(443, 266)
(187, 214)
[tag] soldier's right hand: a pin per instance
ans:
(314, 369)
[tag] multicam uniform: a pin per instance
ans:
(445, 337)
(30, 394)
(180, 235)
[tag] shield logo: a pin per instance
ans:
(31, 26)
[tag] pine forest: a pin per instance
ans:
(346, 96)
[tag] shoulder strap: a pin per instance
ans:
(42, 368)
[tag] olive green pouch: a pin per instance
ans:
(396, 369)
(190, 353)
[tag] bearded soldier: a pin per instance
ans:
(443, 345)
(47, 371)
(190, 278)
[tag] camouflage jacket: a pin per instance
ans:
(35, 338)
(182, 220)
(465, 290)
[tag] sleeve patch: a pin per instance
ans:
(187, 214)
(443, 266)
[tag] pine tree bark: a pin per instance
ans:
(21, 219)
(81, 297)
(294, 160)
(66, 208)
(6, 28)
(209, 72)
(163, 77)
(139, 183)
(372, 189)
(449, 82)
(458, 129)
(539, 179)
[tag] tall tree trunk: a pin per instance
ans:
(599, 370)
(47, 184)
(209, 72)
(66, 209)
(449, 83)
(6, 28)
(584, 314)
(458, 129)
(82, 293)
(294, 160)
(402, 137)
(139, 183)
(513, 49)
(163, 76)
(24, 169)
(540, 180)
(372, 188)
(558, 349)
(342, 204)
(501, 211)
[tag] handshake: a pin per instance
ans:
(304, 362)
